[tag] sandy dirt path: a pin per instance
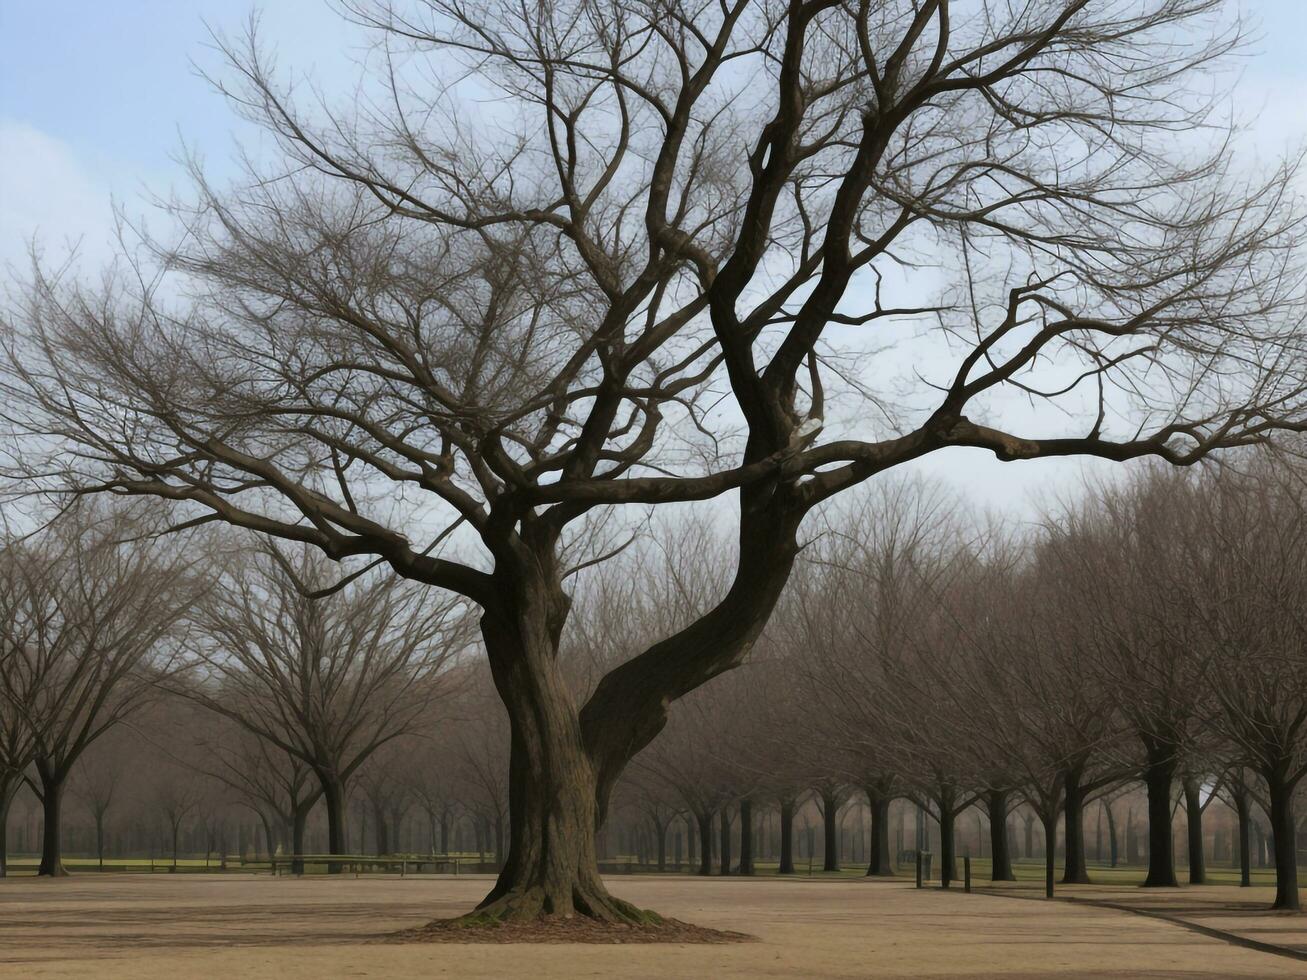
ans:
(240, 928)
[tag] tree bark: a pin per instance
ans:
(1194, 819)
(1283, 841)
(787, 838)
(830, 831)
(880, 863)
(996, 805)
(333, 793)
(299, 820)
(1113, 853)
(704, 818)
(551, 865)
(1159, 775)
(947, 846)
(1075, 870)
(1050, 852)
(746, 837)
(1241, 809)
(52, 789)
(724, 828)
(9, 783)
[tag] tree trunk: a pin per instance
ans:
(1050, 852)
(705, 842)
(551, 865)
(299, 820)
(381, 832)
(1075, 871)
(660, 842)
(9, 783)
(947, 846)
(333, 793)
(52, 789)
(880, 863)
(746, 837)
(996, 805)
(1113, 853)
(1241, 808)
(724, 829)
(1194, 819)
(1159, 774)
(1284, 841)
(830, 831)
(787, 838)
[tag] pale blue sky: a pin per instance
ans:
(97, 95)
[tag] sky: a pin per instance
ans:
(97, 98)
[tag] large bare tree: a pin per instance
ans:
(431, 312)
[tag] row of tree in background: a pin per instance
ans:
(1146, 639)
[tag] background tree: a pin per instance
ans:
(328, 679)
(93, 625)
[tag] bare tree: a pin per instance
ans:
(93, 623)
(1246, 565)
(327, 680)
(519, 331)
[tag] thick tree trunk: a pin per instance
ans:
(551, 865)
(996, 805)
(787, 838)
(1284, 841)
(746, 837)
(880, 863)
(830, 831)
(704, 818)
(1193, 809)
(1159, 775)
(724, 843)
(52, 790)
(1075, 871)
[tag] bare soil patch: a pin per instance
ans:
(566, 929)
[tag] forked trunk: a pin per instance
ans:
(996, 805)
(1159, 775)
(551, 867)
(787, 838)
(52, 790)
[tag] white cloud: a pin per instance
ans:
(48, 195)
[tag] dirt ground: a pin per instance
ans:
(238, 928)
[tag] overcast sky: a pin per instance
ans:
(97, 97)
